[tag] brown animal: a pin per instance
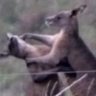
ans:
(68, 23)
(45, 39)
(19, 48)
(70, 44)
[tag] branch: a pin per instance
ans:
(63, 84)
(71, 85)
(53, 88)
(47, 88)
(90, 86)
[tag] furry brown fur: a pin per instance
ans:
(67, 43)
(19, 48)
(70, 44)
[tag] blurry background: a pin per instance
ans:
(20, 16)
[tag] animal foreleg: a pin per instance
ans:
(46, 39)
(43, 60)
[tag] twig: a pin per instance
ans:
(71, 85)
(47, 88)
(63, 83)
(90, 86)
(53, 88)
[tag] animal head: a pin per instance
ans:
(16, 45)
(65, 18)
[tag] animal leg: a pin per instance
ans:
(46, 39)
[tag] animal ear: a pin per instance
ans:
(9, 35)
(75, 11)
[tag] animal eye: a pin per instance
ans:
(58, 17)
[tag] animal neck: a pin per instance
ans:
(70, 31)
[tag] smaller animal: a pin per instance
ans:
(18, 48)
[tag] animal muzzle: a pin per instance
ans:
(49, 20)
